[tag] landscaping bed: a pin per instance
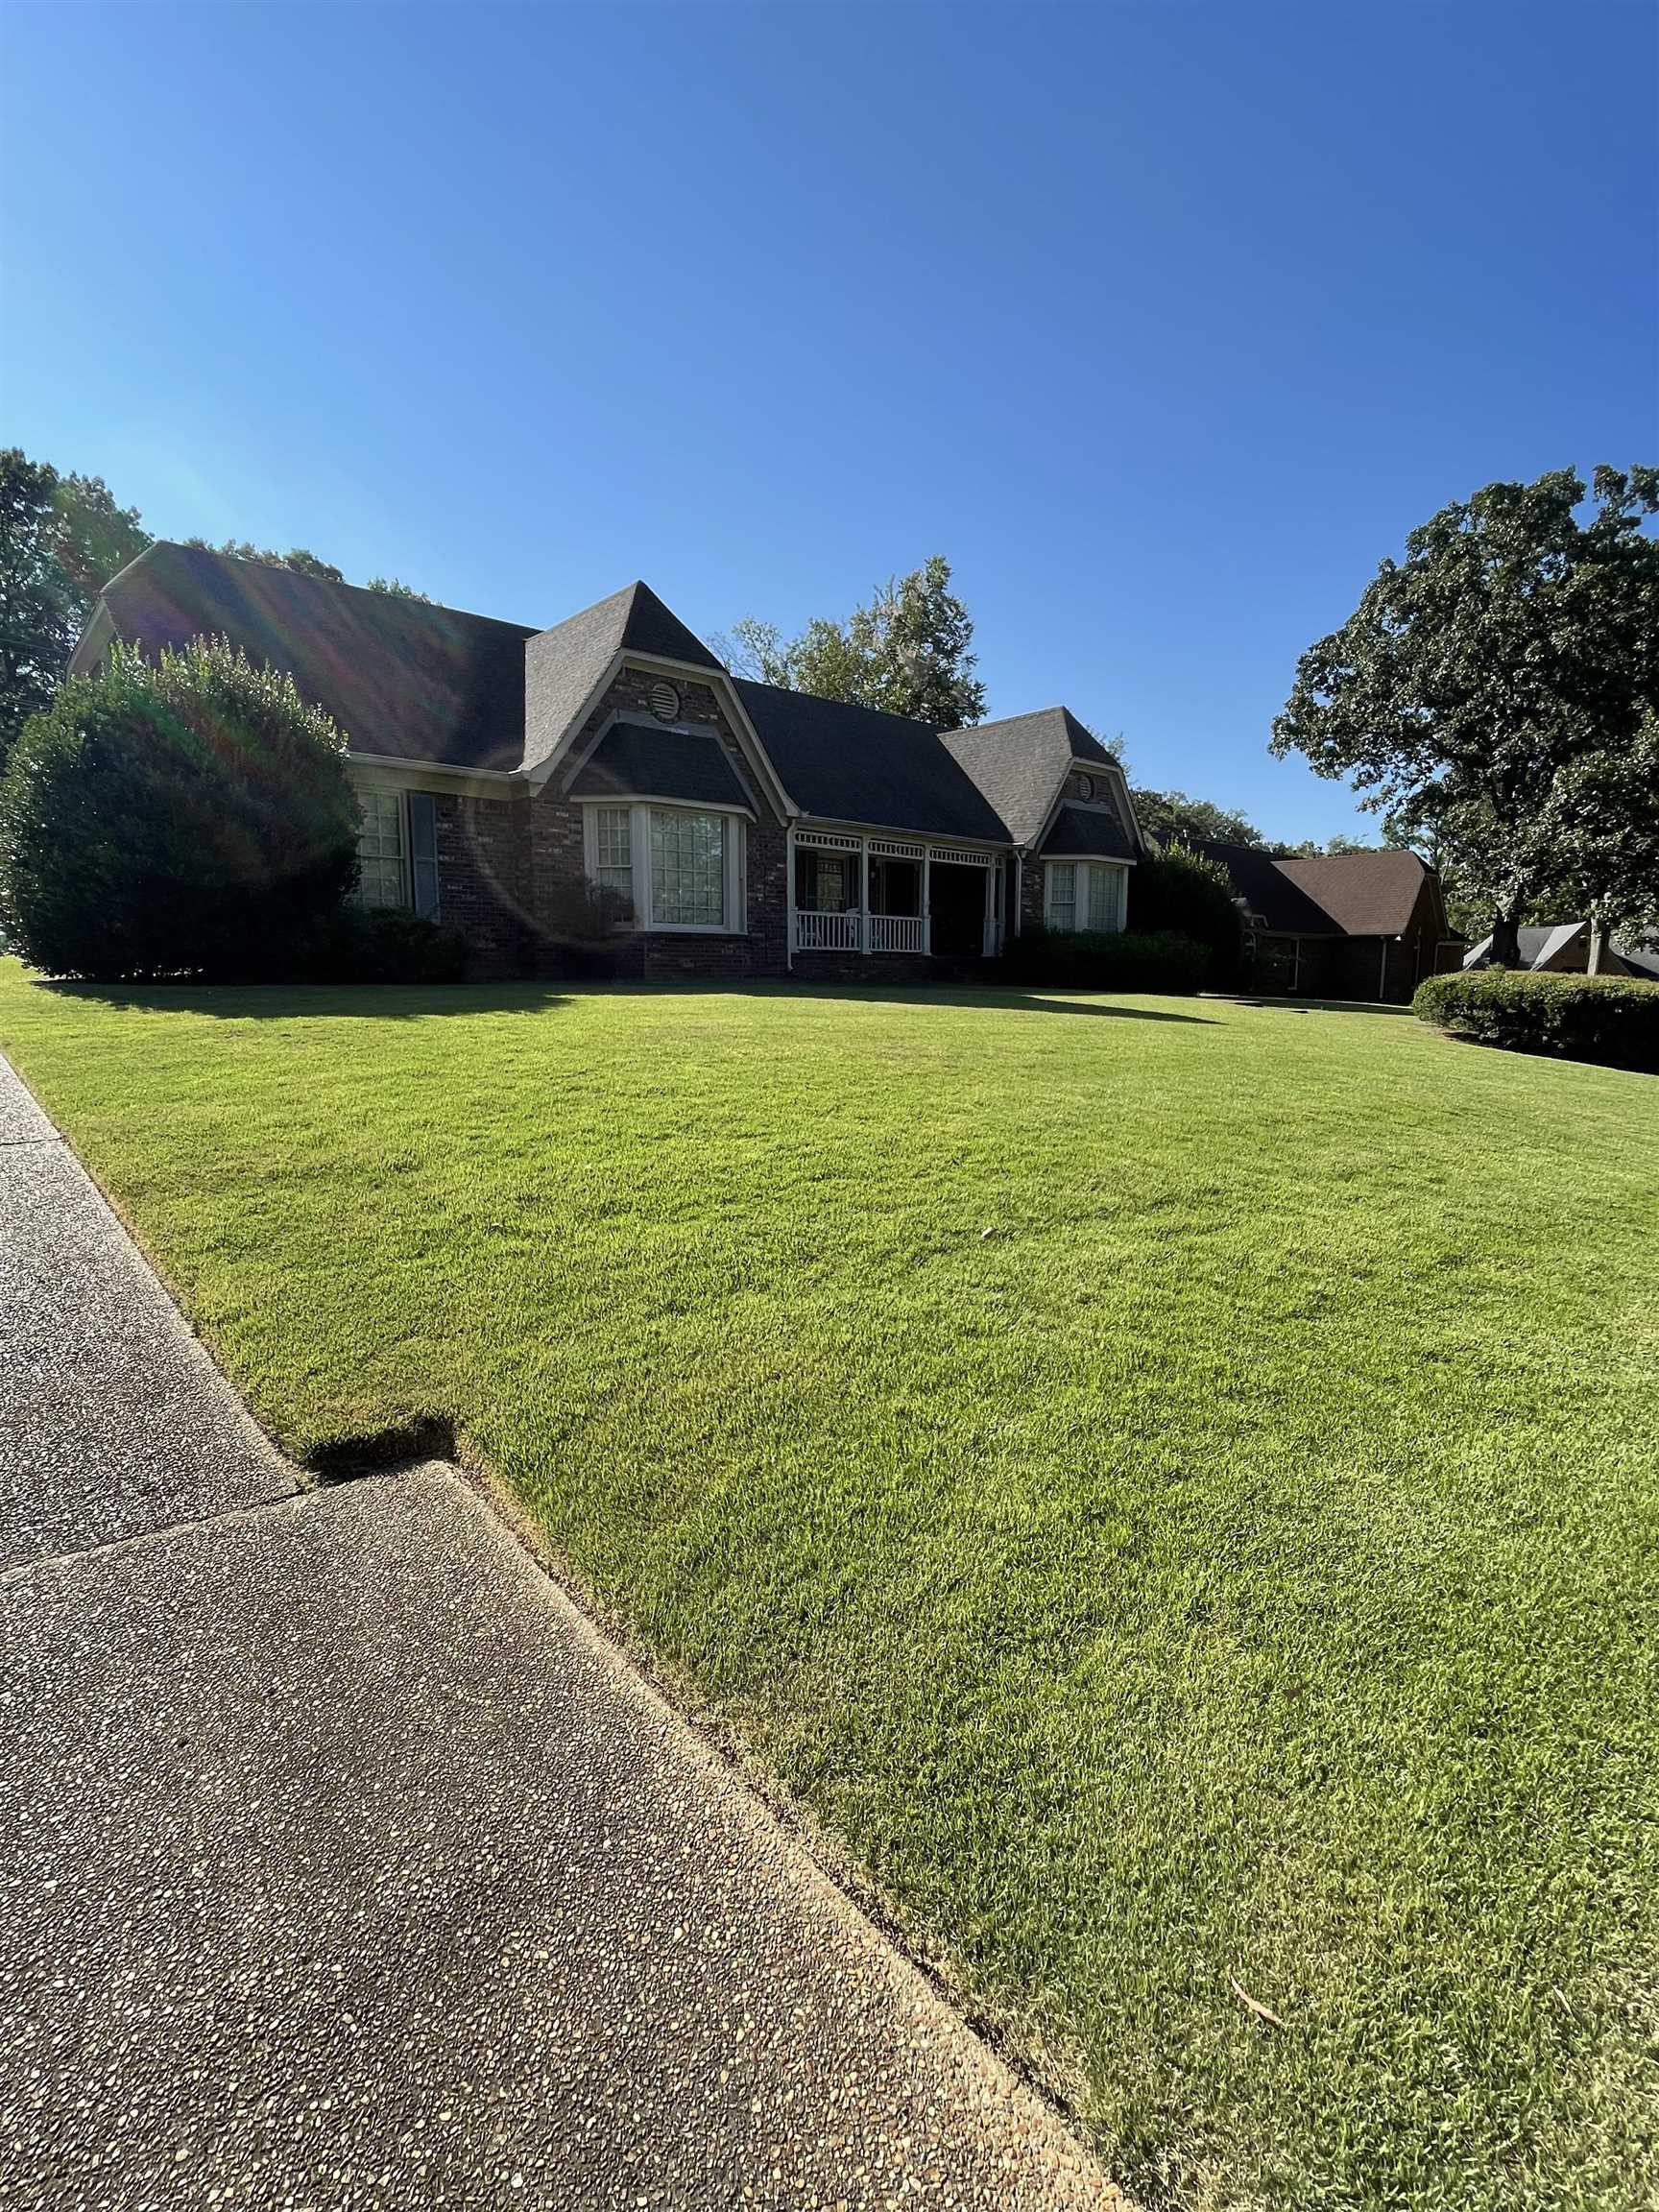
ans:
(1171, 1485)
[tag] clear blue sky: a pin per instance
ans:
(1163, 322)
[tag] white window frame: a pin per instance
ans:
(1083, 880)
(733, 853)
(374, 794)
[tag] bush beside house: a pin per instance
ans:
(193, 817)
(1184, 893)
(1610, 1019)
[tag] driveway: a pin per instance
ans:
(345, 1863)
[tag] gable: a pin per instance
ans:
(1020, 764)
(565, 665)
(1365, 894)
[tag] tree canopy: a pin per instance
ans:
(1175, 818)
(1490, 691)
(188, 816)
(62, 538)
(907, 652)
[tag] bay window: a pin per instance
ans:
(671, 866)
(1084, 895)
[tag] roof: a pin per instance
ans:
(1092, 831)
(565, 663)
(1257, 878)
(1019, 763)
(398, 676)
(633, 760)
(1333, 895)
(845, 763)
(1539, 945)
(1365, 894)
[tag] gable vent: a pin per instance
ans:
(665, 702)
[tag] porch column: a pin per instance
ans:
(927, 917)
(988, 935)
(789, 872)
(864, 895)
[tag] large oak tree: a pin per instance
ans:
(1490, 689)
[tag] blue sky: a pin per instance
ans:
(1163, 322)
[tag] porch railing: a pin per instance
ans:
(825, 932)
(897, 933)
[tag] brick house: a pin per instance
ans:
(733, 829)
(1339, 925)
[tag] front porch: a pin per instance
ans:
(864, 895)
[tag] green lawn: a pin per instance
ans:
(1241, 1561)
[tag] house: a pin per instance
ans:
(735, 829)
(1563, 948)
(1339, 925)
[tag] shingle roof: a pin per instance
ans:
(1092, 831)
(565, 663)
(1365, 894)
(636, 761)
(852, 764)
(1337, 894)
(399, 676)
(1257, 879)
(1019, 763)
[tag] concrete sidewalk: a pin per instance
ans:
(347, 1865)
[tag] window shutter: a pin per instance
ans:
(423, 851)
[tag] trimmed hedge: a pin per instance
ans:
(1613, 1019)
(378, 945)
(1108, 960)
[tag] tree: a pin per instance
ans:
(1606, 813)
(1173, 817)
(302, 561)
(906, 653)
(395, 588)
(1473, 686)
(37, 598)
(60, 539)
(191, 816)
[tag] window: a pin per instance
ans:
(397, 851)
(1084, 895)
(614, 854)
(687, 870)
(1102, 897)
(1062, 911)
(381, 852)
(672, 867)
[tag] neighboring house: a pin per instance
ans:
(739, 830)
(1340, 925)
(1563, 948)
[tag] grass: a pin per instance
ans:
(1239, 1562)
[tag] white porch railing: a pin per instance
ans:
(825, 932)
(897, 933)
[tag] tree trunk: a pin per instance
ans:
(1598, 944)
(1506, 950)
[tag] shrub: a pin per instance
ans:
(1611, 1018)
(188, 817)
(1106, 960)
(378, 945)
(1178, 891)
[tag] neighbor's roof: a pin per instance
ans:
(566, 661)
(635, 760)
(1365, 894)
(1019, 763)
(848, 763)
(1258, 879)
(1339, 893)
(1093, 833)
(400, 677)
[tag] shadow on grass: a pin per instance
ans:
(318, 1001)
(419, 1002)
(1287, 1006)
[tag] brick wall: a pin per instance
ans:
(483, 868)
